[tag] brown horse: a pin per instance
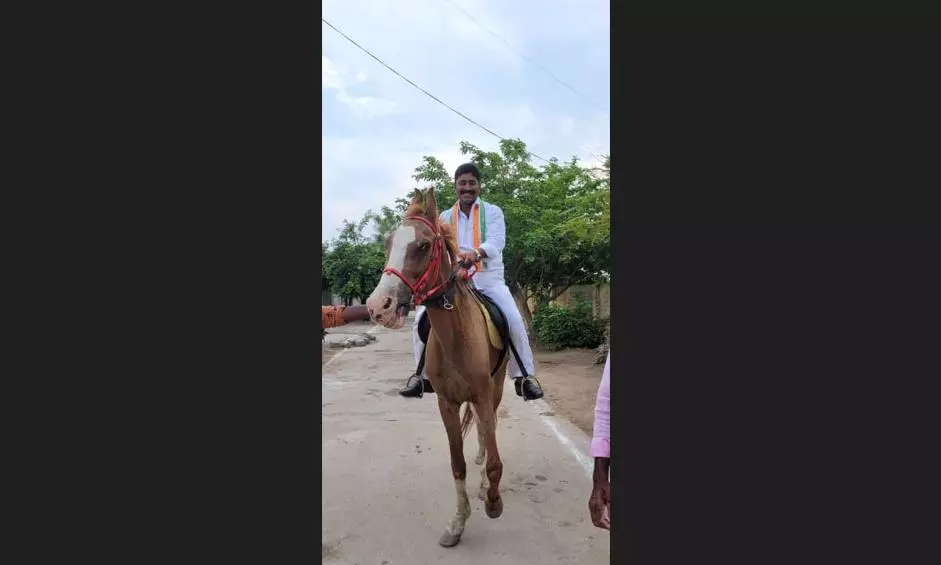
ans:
(463, 366)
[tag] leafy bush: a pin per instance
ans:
(558, 327)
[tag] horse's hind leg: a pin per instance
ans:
(481, 452)
(497, 397)
(450, 415)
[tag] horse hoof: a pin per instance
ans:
(449, 540)
(494, 510)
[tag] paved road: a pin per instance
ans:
(387, 487)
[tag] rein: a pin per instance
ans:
(433, 273)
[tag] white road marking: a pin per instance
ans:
(584, 460)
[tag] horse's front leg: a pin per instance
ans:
(487, 421)
(450, 415)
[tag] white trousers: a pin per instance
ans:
(499, 293)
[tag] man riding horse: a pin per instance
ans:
(481, 235)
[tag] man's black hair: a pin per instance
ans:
(467, 168)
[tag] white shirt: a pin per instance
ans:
(495, 237)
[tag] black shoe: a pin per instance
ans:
(416, 386)
(528, 388)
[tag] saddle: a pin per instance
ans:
(498, 329)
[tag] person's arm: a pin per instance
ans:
(355, 314)
(496, 233)
(335, 316)
(599, 503)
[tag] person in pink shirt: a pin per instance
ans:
(599, 504)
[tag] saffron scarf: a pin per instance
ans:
(479, 218)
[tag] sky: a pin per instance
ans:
(377, 127)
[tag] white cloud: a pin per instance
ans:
(377, 127)
(368, 106)
(362, 106)
(329, 76)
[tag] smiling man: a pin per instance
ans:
(481, 235)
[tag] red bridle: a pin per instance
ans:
(431, 274)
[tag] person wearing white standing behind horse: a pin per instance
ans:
(481, 235)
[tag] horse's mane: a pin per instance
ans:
(447, 233)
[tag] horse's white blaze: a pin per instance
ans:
(389, 284)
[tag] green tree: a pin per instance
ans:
(557, 220)
(384, 221)
(324, 277)
(353, 262)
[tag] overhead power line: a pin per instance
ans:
(425, 92)
(524, 57)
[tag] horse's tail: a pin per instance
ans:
(467, 419)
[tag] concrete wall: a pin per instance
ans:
(600, 297)
(329, 299)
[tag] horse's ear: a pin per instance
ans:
(419, 197)
(431, 205)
